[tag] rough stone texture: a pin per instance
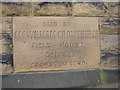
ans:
(110, 58)
(6, 37)
(114, 9)
(0, 9)
(0, 24)
(6, 42)
(5, 53)
(16, 9)
(110, 42)
(109, 50)
(90, 9)
(109, 25)
(6, 24)
(113, 85)
(51, 9)
(60, 9)
(6, 58)
(7, 69)
(5, 47)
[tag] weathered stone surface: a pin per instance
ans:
(16, 9)
(51, 9)
(114, 9)
(55, 43)
(90, 9)
(109, 50)
(111, 85)
(7, 69)
(109, 25)
(5, 47)
(6, 43)
(110, 42)
(6, 58)
(6, 37)
(6, 23)
(0, 25)
(110, 58)
(0, 9)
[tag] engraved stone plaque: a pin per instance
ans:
(55, 43)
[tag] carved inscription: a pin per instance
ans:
(56, 34)
(55, 43)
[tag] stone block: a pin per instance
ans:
(5, 43)
(51, 9)
(6, 24)
(90, 9)
(109, 26)
(114, 9)
(6, 69)
(109, 42)
(16, 9)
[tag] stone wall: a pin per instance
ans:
(108, 25)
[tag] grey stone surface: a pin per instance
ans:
(63, 79)
(109, 59)
(6, 58)
(55, 79)
(110, 42)
(114, 85)
(110, 50)
(109, 26)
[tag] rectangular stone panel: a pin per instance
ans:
(55, 43)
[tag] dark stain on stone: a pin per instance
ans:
(6, 58)
(5, 36)
(109, 54)
(99, 5)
